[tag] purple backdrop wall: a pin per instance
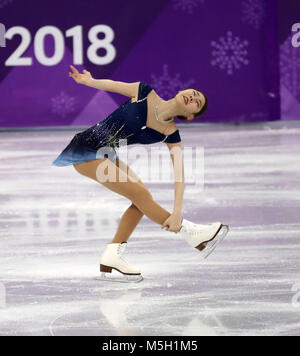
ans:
(229, 49)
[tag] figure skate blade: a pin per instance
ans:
(119, 277)
(211, 246)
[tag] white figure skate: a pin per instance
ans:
(203, 237)
(111, 260)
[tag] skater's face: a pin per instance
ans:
(190, 101)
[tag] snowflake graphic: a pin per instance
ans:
(229, 53)
(3, 3)
(62, 104)
(187, 5)
(253, 12)
(169, 85)
(290, 67)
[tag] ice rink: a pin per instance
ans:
(54, 223)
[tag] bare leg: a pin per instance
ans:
(135, 191)
(128, 223)
(132, 215)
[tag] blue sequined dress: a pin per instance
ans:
(127, 122)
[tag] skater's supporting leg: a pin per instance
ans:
(111, 260)
(123, 185)
(132, 215)
(128, 223)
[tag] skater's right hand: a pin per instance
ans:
(78, 77)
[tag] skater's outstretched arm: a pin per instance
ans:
(174, 221)
(127, 89)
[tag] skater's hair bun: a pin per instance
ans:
(199, 113)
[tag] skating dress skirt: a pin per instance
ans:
(126, 125)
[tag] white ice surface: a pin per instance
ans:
(54, 223)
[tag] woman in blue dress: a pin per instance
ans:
(145, 118)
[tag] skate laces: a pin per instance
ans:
(192, 226)
(196, 229)
(120, 251)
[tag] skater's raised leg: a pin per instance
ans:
(196, 235)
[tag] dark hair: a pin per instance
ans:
(202, 110)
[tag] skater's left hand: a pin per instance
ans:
(173, 223)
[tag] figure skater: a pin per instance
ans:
(145, 118)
